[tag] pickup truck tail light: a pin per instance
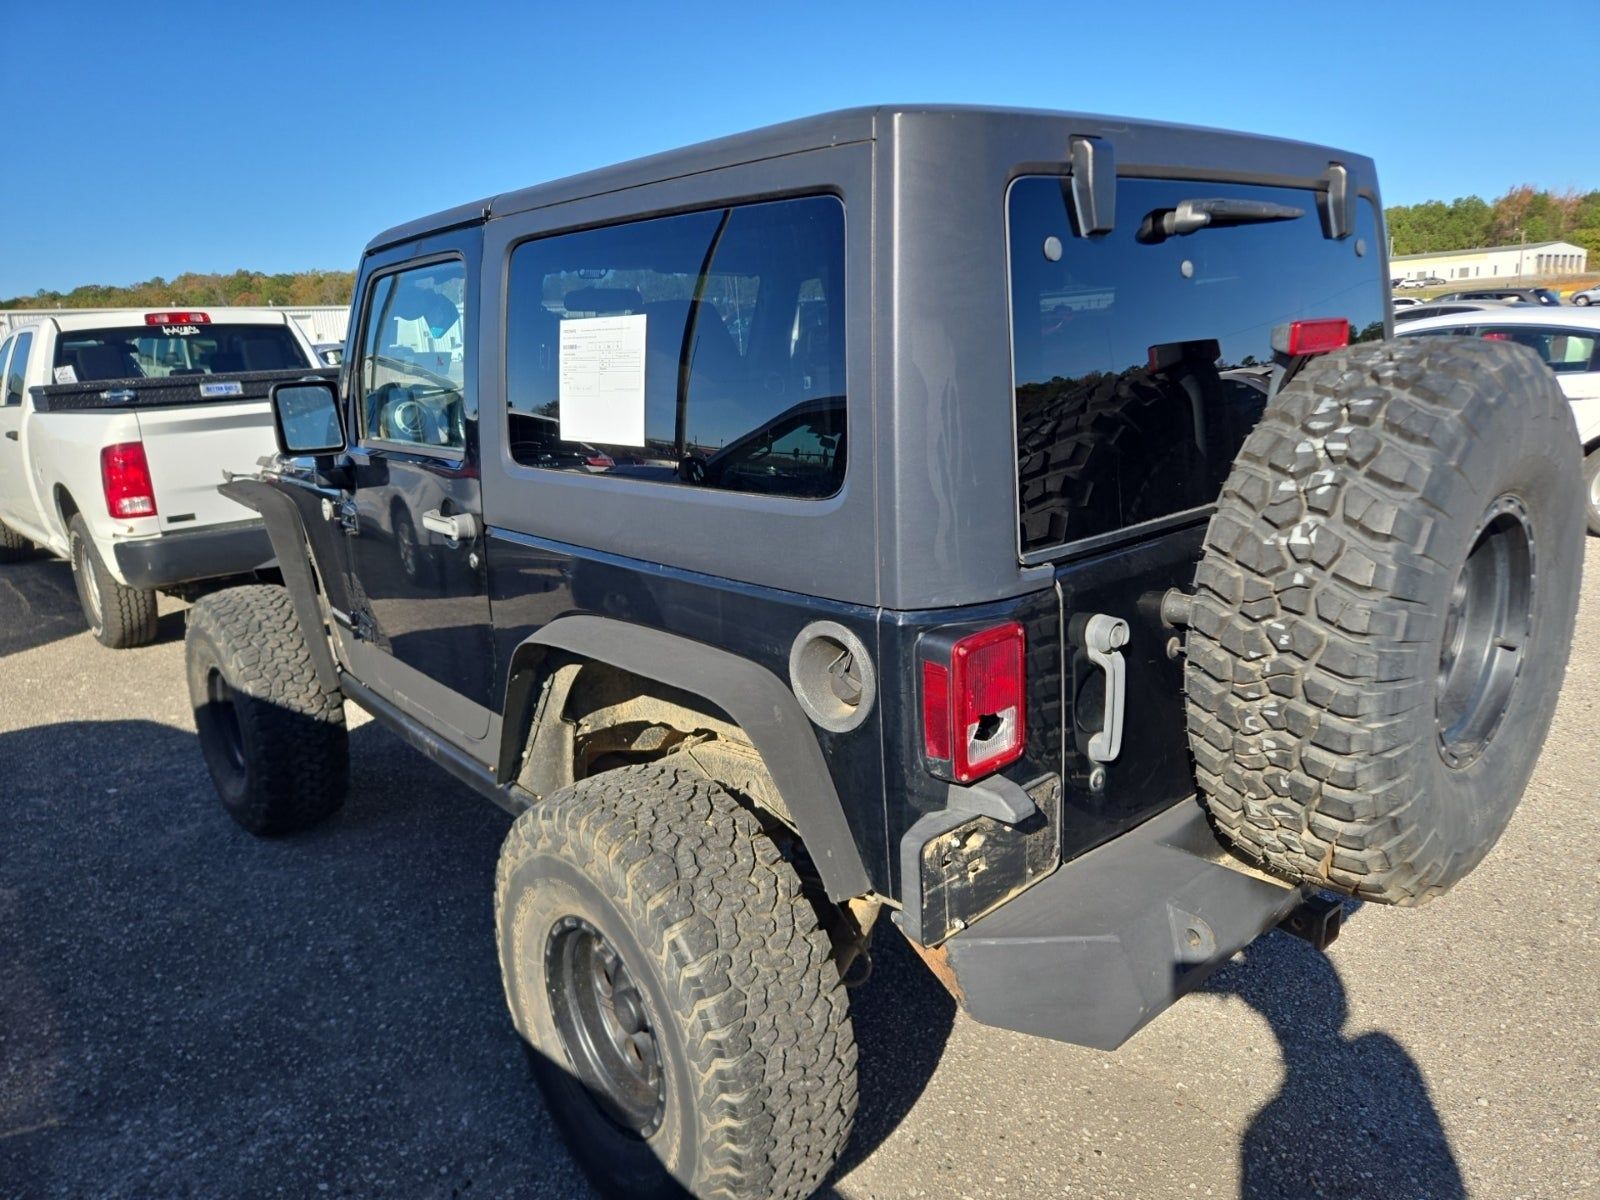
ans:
(177, 318)
(125, 475)
(974, 700)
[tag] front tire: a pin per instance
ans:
(119, 616)
(686, 1022)
(1582, 301)
(273, 736)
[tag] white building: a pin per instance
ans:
(1534, 260)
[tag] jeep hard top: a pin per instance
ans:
(1011, 526)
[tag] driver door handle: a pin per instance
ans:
(11, 435)
(458, 527)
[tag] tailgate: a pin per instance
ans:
(1142, 358)
(189, 449)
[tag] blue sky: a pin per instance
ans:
(148, 139)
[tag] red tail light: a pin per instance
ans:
(1311, 337)
(177, 318)
(125, 474)
(973, 702)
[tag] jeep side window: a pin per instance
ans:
(413, 349)
(738, 317)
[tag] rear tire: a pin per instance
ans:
(1582, 301)
(13, 546)
(119, 616)
(1383, 614)
(273, 736)
(741, 1081)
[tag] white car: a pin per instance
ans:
(1586, 297)
(1403, 301)
(116, 428)
(1568, 339)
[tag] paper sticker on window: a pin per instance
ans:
(602, 380)
(66, 374)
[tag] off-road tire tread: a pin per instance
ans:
(298, 764)
(743, 957)
(13, 546)
(128, 616)
(1302, 652)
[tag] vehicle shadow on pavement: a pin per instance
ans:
(1353, 1116)
(188, 1010)
(38, 604)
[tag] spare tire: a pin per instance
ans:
(1382, 614)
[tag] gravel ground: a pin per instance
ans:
(186, 1011)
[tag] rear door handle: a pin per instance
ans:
(1104, 637)
(458, 527)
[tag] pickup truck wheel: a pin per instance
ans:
(1383, 613)
(273, 736)
(1591, 479)
(119, 616)
(13, 546)
(685, 1021)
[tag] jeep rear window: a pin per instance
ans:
(1139, 363)
(157, 352)
(742, 339)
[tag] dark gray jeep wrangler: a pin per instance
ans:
(1015, 522)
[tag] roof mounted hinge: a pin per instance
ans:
(1338, 222)
(1094, 185)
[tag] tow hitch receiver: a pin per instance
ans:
(1317, 920)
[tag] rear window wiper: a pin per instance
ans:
(1193, 215)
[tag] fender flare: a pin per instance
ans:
(287, 531)
(753, 697)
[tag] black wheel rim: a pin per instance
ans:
(1487, 625)
(604, 1026)
(225, 718)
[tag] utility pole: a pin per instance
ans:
(1522, 255)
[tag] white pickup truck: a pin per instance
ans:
(116, 428)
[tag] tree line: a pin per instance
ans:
(1468, 222)
(248, 288)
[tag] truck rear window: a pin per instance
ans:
(1141, 360)
(159, 352)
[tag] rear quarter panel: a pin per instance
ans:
(63, 450)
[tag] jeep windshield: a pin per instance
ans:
(164, 351)
(1126, 346)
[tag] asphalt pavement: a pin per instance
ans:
(186, 1011)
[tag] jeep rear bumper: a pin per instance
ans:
(1095, 951)
(211, 552)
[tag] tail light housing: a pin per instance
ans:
(974, 701)
(1299, 338)
(125, 475)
